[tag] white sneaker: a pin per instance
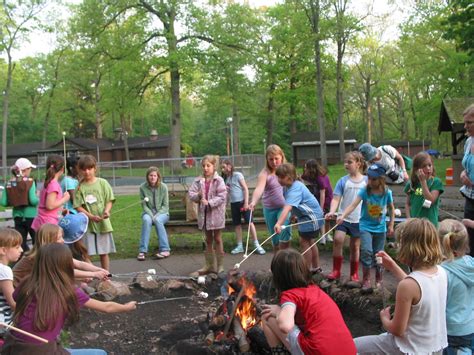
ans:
(260, 250)
(323, 241)
(238, 249)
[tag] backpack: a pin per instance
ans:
(408, 161)
(17, 192)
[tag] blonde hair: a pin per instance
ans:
(274, 149)
(213, 159)
(454, 238)
(9, 238)
(47, 234)
(419, 243)
(469, 111)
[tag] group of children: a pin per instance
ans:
(306, 321)
(42, 292)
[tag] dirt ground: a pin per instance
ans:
(179, 326)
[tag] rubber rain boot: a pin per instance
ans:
(336, 268)
(355, 271)
(208, 268)
(366, 287)
(220, 262)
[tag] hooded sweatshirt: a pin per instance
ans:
(460, 303)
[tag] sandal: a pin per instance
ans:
(141, 256)
(162, 254)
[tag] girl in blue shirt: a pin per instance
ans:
(304, 206)
(376, 200)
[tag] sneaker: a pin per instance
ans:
(238, 249)
(329, 238)
(260, 250)
(323, 241)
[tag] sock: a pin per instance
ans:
(256, 243)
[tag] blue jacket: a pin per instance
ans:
(460, 303)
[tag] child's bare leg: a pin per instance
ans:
(238, 233)
(209, 241)
(338, 243)
(218, 245)
(314, 254)
(284, 245)
(253, 231)
(304, 244)
(273, 333)
(354, 247)
(105, 261)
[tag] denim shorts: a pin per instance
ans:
(309, 235)
(349, 228)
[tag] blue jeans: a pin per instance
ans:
(459, 345)
(87, 351)
(159, 221)
(370, 244)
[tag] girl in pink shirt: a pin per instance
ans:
(51, 196)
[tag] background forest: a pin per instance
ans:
(184, 67)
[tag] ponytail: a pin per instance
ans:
(54, 164)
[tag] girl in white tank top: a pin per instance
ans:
(418, 325)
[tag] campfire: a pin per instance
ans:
(236, 323)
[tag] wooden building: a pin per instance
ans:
(104, 149)
(307, 145)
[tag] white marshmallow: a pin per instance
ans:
(201, 280)
(236, 266)
(203, 294)
(378, 260)
(149, 278)
(152, 271)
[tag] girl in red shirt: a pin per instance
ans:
(307, 321)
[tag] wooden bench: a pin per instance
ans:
(176, 179)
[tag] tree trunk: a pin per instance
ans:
(340, 102)
(98, 115)
(270, 111)
(292, 109)
(368, 107)
(379, 116)
(235, 125)
(50, 101)
(6, 102)
(315, 14)
(175, 92)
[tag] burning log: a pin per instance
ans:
(232, 314)
(218, 322)
(240, 335)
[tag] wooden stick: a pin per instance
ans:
(24, 332)
(234, 308)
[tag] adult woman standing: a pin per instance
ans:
(467, 175)
(155, 204)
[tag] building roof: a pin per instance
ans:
(313, 138)
(451, 111)
(18, 150)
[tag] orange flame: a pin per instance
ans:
(246, 311)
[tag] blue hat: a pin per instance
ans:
(376, 170)
(368, 151)
(74, 227)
